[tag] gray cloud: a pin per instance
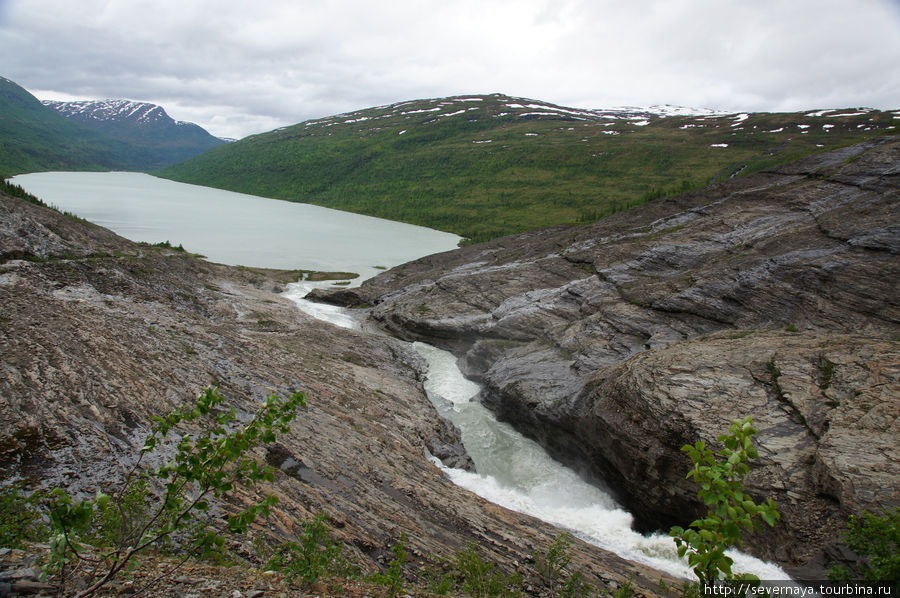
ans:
(239, 68)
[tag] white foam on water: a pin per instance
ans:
(296, 291)
(517, 473)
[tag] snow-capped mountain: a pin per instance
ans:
(502, 106)
(140, 123)
(143, 113)
(662, 110)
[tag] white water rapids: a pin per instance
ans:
(516, 473)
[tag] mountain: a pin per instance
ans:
(483, 166)
(614, 344)
(35, 137)
(141, 124)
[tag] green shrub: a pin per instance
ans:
(393, 578)
(875, 537)
(481, 579)
(626, 590)
(439, 580)
(20, 517)
(165, 245)
(721, 480)
(210, 463)
(553, 564)
(314, 556)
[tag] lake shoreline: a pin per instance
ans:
(236, 229)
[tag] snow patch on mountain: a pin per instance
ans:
(110, 110)
(125, 119)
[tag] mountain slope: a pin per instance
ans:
(99, 334)
(141, 124)
(484, 166)
(34, 138)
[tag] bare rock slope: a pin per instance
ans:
(98, 334)
(773, 295)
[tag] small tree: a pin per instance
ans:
(484, 579)
(731, 510)
(875, 537)
(393, 578)
(553, 566)
(21, 520)
(313, 556)
(211, 463)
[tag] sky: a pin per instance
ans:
(238, 68)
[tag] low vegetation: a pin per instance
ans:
(488, 166)
(164, 507)
(313, 556)
(167, 509)
(876, 538)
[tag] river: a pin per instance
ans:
(517, 473)
(236, 229)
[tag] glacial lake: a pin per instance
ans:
(234, 228)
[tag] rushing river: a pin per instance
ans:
(517, 473)
(244, 230)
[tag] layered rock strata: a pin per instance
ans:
(774, 295)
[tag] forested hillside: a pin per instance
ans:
(34, 138)
(485, 166)
(137, 136)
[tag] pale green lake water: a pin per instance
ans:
(233, 228)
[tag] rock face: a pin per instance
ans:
(773, 295)
(98, 334)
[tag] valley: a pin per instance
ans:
(614, 344)
(108, 333)
(630, 280)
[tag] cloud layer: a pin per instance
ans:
(239, 68)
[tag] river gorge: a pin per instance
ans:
(688, 312)
(510, 470)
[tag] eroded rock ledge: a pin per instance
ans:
(774, 295)
(98, 334)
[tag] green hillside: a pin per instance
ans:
(153, 136)
(485, 166)
(35, 138)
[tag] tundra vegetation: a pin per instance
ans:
(493, 167)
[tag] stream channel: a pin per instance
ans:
(517, 473)
(232, 228)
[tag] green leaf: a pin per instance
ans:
(719, 478)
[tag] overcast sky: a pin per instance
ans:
(243, 67)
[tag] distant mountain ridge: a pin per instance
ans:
(108, 135)
(107, 110)
(142, 123)
(484, 166)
